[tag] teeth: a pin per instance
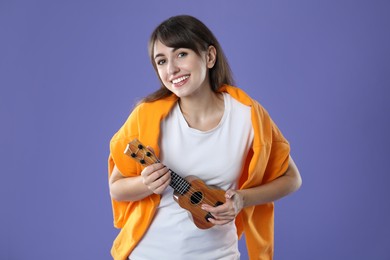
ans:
(175, 81)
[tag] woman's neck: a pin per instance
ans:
(203, 112)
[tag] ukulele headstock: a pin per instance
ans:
(136, 150)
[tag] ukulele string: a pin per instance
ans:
(193, 193)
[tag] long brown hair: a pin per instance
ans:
(184, 31)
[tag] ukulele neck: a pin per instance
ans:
(179, 184)
(144, 156)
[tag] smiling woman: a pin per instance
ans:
(179, 67)
(189, 33)
(215, 139)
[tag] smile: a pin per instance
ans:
(178, 80)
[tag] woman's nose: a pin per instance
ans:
(173, 68)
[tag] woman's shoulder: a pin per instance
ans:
(162, 103)
(240, 95)
(260, 113)
(152, 110)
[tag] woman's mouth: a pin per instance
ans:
(180, 81)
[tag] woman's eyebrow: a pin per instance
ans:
(161, 55)
(158, 55)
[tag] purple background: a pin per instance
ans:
(70, 72)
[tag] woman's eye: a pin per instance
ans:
(182, 54)
(160, 62)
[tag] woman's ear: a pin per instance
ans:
(211, 56)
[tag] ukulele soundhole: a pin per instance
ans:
(196, 197)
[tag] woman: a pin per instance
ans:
(198, 124)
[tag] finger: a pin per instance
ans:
(226, 207)
(220, 221)
(229, 194)
(159, 173)
(152, 174)
(160, 189)
(147, 171)
(160, 178)
(214, 210)
(157, 178)
(224, 217)
(152, 168)
(223, 214)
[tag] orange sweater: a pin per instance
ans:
(267, 160)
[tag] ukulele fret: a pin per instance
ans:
(179, 184)
(139, 152)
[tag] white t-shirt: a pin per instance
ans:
(215, 156)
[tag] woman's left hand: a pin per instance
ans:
(228, 211)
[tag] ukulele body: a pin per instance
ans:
(199, 194)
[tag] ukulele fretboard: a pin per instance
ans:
(179, 184)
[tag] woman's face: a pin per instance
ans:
(182, 71)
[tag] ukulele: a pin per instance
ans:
(189, 192)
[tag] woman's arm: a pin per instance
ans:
(153, 179)
(288, 183)
(236, 200)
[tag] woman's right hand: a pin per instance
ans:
(156, 177)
